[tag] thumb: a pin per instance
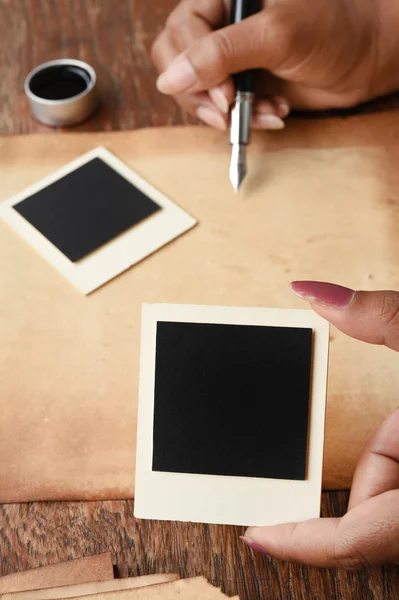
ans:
(259, 41)
(366, 536)
(367, 316)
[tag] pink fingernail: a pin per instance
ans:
(264, 107)
(283, 106)
(211, 117)
(179, 77)
(265, 121)
(251, 544)
(324, 293)
(218, 97)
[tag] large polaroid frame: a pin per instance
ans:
(117, 255)
(225, 499)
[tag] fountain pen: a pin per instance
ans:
(244, 95)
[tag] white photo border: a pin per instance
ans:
(225, 499)
(117, 255)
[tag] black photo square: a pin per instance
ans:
(232, 400)
(86, 208)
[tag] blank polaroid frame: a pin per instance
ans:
(227, 499)
(120, 253)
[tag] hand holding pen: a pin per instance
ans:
(197, 26)
(313, 54)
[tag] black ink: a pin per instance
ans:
(59, 82)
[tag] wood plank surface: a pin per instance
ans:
(42, 533)
(115, 38)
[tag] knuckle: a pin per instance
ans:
(160, 51)
(389, 314)
(177, 24)
(221, 49)
(175, 20)
(347, 553)
(156, 50)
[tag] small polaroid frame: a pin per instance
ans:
(225, 499)
(117, 255)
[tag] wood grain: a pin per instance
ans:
(40, 533)
(115, 38)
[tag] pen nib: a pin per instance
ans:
(238, 167)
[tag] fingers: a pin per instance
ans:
(212, 117)
(187, 23)
(163, 51)
(213, 13)
(366, 536)
(368, 316)
(259, 41)
(378, 468)
(191, 22)
(281, 105)
(200, 104)
(223, 95)
(310, 542)
(268, 113)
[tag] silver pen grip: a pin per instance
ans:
(241, 118)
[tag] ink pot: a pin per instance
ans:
(62, 92)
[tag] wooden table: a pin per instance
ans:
(115, 36)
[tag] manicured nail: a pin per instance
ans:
(264, 107)
(220, 100)
(211, 117)
(179, 77)
(283, 106)
(251, 544)
(268, 121)
(324, 293)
